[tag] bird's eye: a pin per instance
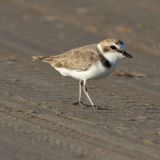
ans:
(113, 47)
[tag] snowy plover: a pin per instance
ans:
(88, 62)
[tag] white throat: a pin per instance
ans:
(110, 56)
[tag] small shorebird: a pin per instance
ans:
(88, 62)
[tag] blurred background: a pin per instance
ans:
(76, 23)
(37, 118)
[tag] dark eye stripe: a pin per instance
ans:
(113, 47)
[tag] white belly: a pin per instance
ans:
(95, 71)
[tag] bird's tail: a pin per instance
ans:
(39, 58)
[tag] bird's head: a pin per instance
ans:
(113, 46)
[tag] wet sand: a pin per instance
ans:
(37, 118)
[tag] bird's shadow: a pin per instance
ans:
(87, 105)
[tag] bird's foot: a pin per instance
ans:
(88, 105)
(77, 103)
(96, 107)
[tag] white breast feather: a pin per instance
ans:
(95, 71)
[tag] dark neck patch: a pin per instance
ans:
(105, 62)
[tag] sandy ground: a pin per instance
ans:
(37, 118)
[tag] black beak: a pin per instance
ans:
(126, 54)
